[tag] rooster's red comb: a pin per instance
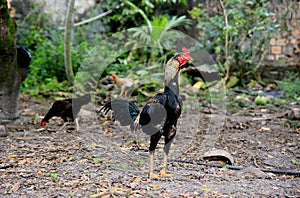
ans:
(113, 75)
(186, 51)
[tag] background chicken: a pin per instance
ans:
(67, 109)
(160, 114)
(125, 84)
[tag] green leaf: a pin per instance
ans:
(72, 158)
(54, 176)
(141, 162)
(97, 160)
(224, 168)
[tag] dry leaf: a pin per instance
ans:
(270, 156)
(206, 189)
(14, 188)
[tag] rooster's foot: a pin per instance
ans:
(153, 176)
(163, 173)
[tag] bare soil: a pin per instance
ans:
(104, 159)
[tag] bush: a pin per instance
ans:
(46, 43)
(238, 33)
(290, 86)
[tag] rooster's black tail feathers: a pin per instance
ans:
(123, 111)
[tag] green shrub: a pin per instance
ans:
(290, 86)
(45, 40)
(241, 44)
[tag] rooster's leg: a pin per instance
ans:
(152, 175)
(168, 141)
(163, 171)
(153, 143)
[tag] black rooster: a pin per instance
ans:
(66, 109)
(159, 116)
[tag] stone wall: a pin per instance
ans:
(55, 8)
(285, 46)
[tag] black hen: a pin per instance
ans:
(159, 116)
(66, 109)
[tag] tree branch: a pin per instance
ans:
(227, 59)
(93, 18)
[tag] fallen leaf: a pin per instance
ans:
(222, 162)
(155, 188)
(206, 189)
(11, 156)
(270, 156)
(104, 123)
(137, 179)
(265, 129)
(95, 195)
(14, 188)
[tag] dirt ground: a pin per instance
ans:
(103, 159)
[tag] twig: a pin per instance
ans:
(6, 166)
(255, 162)
(14, 171)
(31, 138)
(40, 129)
(93, 18)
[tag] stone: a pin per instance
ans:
(270, 57)
(281, 41)
(287, 50)
(272, 41)
(218, 155)
(294, 114)
(298, 23)
(293, 41)
(296, 33)
(297, 12)
(276, 50)
(294, 23)
(280, 56)
(3, 131)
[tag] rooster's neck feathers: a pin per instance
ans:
(173, 84)
(172, 68)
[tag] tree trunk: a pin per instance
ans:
(67, 51)
(14, 64)
(9, 85)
